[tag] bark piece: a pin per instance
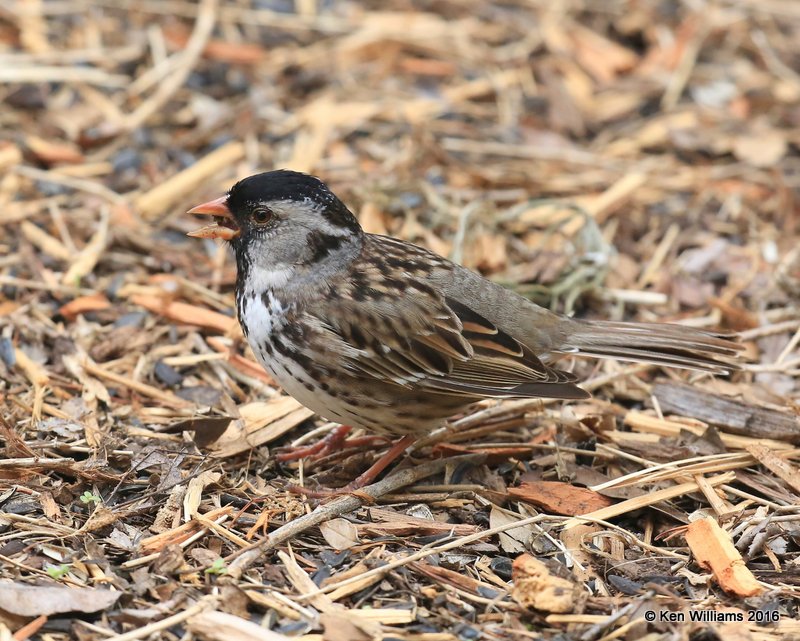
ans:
(734, 416)
(560, 498)
(714, 550)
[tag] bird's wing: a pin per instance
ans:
(407, 333)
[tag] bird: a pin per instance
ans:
(374, 332)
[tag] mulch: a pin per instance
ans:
(620, 160)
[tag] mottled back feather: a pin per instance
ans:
(383, 334)
(408, 332)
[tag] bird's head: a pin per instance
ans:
(281, 220)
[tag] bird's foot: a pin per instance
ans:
(364, 479)
(334, 442)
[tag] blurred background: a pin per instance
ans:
(634, 159)
(622, 159)
(650, 147)
(618, 159)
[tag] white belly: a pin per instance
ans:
(265, 320)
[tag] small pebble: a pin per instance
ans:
(167, 374)
(501, 566)
(7, 354)
(202, 395)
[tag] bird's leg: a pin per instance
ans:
(334, 442)
(392, 454)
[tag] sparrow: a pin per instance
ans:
(374, 332)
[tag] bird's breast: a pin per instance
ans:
(261, 315)
(279, 341)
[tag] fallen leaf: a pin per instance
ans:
(207, 429)
(340, 534)
(514, 539)
(560, 498)
(35, 600)
(261, 422)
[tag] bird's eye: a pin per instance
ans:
(261, 215)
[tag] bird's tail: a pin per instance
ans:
(657, 343)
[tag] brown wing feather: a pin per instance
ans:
(417, 338)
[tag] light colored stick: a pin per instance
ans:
(206, 17)
(206, 603)
(154, 202)
(242, 559)
(148, 390)
(41, 75)
(649, 272)
(80, 184)
(647, 499)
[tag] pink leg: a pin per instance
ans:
(392, 454)
(334, 442)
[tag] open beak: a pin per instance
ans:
(224, 226)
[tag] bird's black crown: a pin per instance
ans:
(284, 184)
(281, 184)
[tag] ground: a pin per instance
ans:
(627, 160)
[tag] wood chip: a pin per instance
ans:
(220, 626)
(779, 466)
(535, 587)
(560, 498)
(154, 203)
(186, 313)
(714, 550)
(84, 304)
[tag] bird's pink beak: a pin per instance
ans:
(224, 225)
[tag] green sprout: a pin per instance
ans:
(57, 572)
(89, 497)
(217, 567)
